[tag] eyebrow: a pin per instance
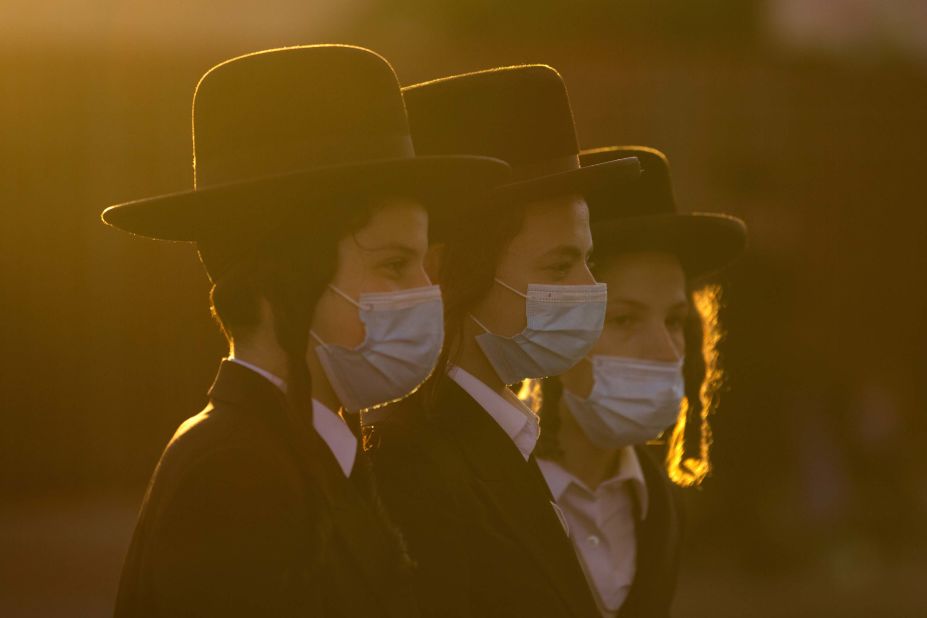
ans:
(391, 246)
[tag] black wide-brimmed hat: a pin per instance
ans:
(642, 216)
(520, 114)
(299, 128)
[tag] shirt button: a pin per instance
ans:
(593, 540)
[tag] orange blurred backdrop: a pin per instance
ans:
(807, 119)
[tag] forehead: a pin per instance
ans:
(646, 277)
(553, 222)
(395, 220)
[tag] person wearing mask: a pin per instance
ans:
(596, 418)
(454, 462)
(310, 215)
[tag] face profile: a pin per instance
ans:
(551, 248)
(630, 388)
(377, 328)
(648, 308)
(564, 306)
(386, 255)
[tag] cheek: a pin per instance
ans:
(578, 380)
(679, 341)
(337, 321)
(502, 311)
(616, 342)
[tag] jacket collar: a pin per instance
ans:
(238, 385)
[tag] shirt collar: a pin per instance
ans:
(513, 416)
(274, 379)
(336, 434)
(628, 470)
(331, 428)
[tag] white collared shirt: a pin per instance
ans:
(330, 427)
(273, 379)
(603, 525)
(514, 417)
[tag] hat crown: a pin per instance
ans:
(296, 108)
(652, 194)
(520, 114)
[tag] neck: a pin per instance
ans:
(581, 458)
(273, 359)
(262, 356)
(473, 361)
(321, 388)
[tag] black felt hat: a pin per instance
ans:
(519, 114)
(643, 217)
(298, 128)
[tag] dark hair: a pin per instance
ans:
(702, 379)
(291, 269)
(469, 257)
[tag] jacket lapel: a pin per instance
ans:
(512, 488)
(360, 531)
(354, 523)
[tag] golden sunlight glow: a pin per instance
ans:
(691, 471)
(530, 393)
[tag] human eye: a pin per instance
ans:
(622, 319)
(559, 270)
(395, 266)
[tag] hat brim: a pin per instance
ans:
(615, 173)
(195, 214)
(704, 243)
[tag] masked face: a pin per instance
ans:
(378, 329)
(630, 389)
(544, 310)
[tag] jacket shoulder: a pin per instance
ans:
(224, 451)
(226, 525)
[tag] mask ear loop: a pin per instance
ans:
(508, 287)
(342, 295)
(505, 285)
(478, 323)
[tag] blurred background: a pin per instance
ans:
(804, 117)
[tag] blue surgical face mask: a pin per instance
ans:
(632, 401)
(404, 335)
(564, 322)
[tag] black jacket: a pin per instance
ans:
(230, 526)
(658, 540)
(477, 517)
